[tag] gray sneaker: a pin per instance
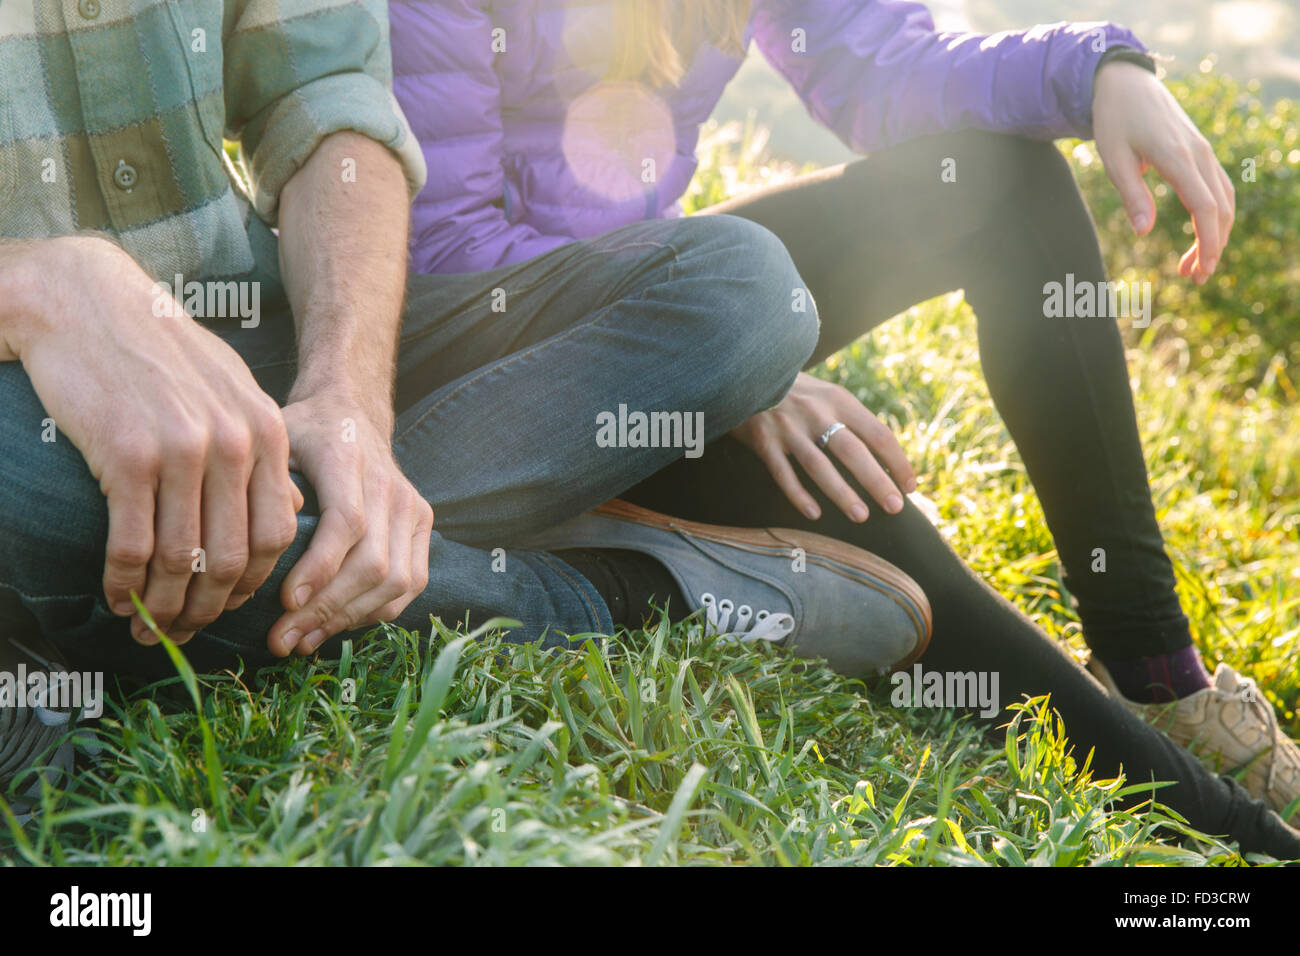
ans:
(814, 595)
(31, 736)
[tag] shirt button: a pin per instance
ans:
(88, 8)
(124, 175)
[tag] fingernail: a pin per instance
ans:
(290, 639)
(1140, 221)
(302, 594)
(313, 640)
(911, 485)
(1209, 266)
(812, 512)
(859, 513)
(894, 504)
(123, 608)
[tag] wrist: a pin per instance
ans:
(1122, 63)
(1127, 54)
(336, 394)
(1118, 85)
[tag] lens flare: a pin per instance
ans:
(618, 139)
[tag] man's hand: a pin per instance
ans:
(1139, 125)
(369, 556)
(188, 450)
(343, 258)
(793, 427)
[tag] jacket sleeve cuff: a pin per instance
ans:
(303, 118)
(1098, 42)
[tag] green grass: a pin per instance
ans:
(668, 747)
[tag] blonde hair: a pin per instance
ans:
(647, 49)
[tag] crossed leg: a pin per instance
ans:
(496, 426)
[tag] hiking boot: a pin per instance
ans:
(1228, 726)
(30, 735)
(814, 595)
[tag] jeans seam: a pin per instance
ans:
(523, 290)
(623, 246)
(50, 597)
(423, 333)
(550, 274)
(558, 566)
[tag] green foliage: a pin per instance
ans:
(733, 160)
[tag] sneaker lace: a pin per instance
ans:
(749, 625)
(1254, 701)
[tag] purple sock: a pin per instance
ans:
(1160, 679)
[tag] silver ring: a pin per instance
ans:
(826, 435)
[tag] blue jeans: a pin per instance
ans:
(501, 376)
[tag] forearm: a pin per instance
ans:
(343, 260)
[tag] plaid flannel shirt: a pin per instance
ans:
(112, 115)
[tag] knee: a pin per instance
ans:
(1038, 165)
(978, 170)
(1031, 169)
(764, 320)
(778, 319)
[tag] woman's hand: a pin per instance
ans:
(1139, 125)
(863, 446)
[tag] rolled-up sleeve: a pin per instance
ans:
(297, 71)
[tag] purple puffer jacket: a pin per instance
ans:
(527, 148)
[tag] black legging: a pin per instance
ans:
(876, 236)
